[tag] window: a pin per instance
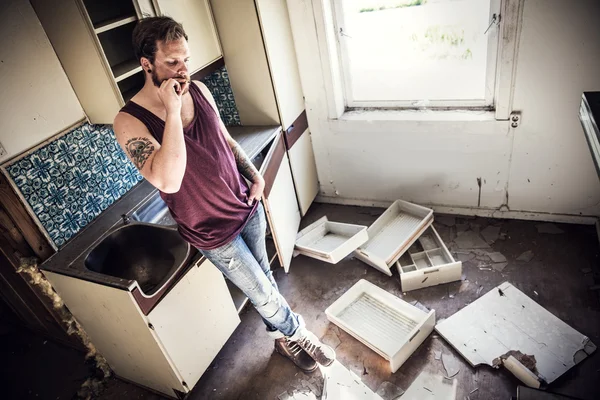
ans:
(417, 53)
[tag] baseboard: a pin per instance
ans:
(479, 212)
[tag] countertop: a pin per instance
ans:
(252, 139)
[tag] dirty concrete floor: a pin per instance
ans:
(247, 368)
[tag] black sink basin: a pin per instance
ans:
(148, 254)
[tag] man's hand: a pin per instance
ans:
(256, 190)
(170, 95)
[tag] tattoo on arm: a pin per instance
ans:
(245, 166)
(139, 150)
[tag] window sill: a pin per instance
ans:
(418, 115)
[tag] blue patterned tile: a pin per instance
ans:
(220, 87)
(71, 180)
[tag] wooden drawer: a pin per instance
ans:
(330, 241)
(427, 263)
(388, 325)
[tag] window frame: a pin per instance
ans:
(491, 71)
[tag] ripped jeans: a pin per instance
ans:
(244, 262)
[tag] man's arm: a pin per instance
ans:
(162, 165)
(245, 166)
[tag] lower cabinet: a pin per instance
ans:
(169, 349)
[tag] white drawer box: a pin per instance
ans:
(330, 241)
(427, 263)
(393, 233)
(388, 325)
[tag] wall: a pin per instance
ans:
(32, 80)
(543, 166)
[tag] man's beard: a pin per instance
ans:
(157, 82)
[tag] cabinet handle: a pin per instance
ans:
(290, 129)
(413, 336)
(432, 271)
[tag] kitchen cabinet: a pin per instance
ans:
(280, 201)
(196, 18)
(258, 47)
(93, 42)
(171, 347)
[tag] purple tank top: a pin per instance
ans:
(211, 207)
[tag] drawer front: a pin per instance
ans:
(430, 276)
(428, 263)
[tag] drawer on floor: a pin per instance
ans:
(383, 322)
(330, 241)
(427, 263)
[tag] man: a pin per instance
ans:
(172, 132)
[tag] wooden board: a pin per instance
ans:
(506, 319)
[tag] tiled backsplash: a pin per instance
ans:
(220, 87)
(71, 180)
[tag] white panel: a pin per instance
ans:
(246, 60)
(197, 21)
(194, 320)
(120, 332)
(304, 170)
(282, 211)
(505, 319)
(37, 98)
(388, 325)
(279, 45)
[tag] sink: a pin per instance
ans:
(148, 254)
(154, 211)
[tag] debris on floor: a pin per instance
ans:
(527, 393)
(505, 323)
(490, 234)
(389, 391)
(437, 354)
(451, 365)
(448, 220)
(549, 228)
(470, 240)
(93, 385)
(428, 386)
(331, 339)
(497, 257)
(343, 384)
(499, 266)
(526, 256)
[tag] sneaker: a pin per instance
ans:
(320, 352)
(294, 352)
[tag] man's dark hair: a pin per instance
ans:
(152, 29)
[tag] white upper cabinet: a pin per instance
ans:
(93, 42)
(196, 18)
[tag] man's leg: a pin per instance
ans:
(238, 264)
(254, 237)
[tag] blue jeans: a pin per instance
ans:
(244, 262)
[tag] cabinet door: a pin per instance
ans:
(302, 162)
(279, 46)
(196, 18)
(194, 320)
(280, 201)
